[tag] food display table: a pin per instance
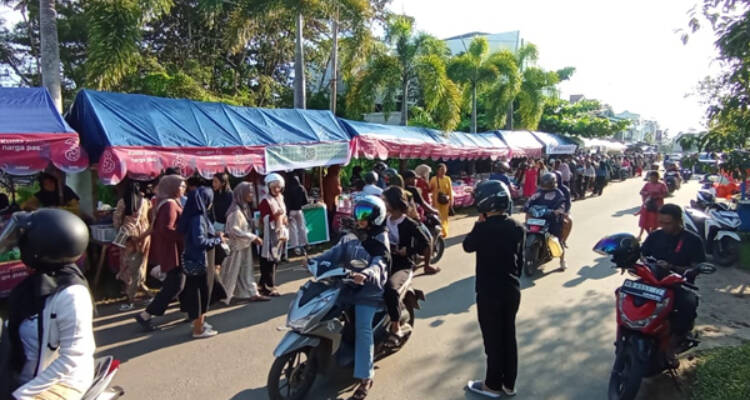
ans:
(463, 195)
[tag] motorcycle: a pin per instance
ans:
(686, 174)
(643, 329)
(717, 228)
(321, 330)
(537, 250)
(672, 179)
(433, 226)
(105, 369)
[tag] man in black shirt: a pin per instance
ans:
(498, 242)
(677, 250)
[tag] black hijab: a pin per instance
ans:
(52, 198)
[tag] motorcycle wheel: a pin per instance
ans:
(438, 247)
(727, 252)
(293, 374)
(532, 260)
(626, 377)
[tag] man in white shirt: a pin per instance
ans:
(371, 187)
(564, 170)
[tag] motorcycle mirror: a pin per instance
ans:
(358, 264)
(706, 268)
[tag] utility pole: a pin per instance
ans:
(334, 57)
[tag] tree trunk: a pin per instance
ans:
(334, 60)
(509, 118)
(404, 105)
(299, 65)
(474, 108)
(50, 51)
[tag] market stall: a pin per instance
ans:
(521, 144)
(555, 144)
(376, 141)
(140, 136)
(33, 136)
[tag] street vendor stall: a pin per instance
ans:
(521, 144)
(33, 135)
(555, 144)
(140, 136)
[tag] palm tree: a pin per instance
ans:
(50, 51)
(416, 64)
(477, 71)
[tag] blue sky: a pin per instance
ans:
(626, 53)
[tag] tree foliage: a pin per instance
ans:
(586, 118)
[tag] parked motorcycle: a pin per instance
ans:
(537, 249)
(643, 329)
(718, 229)
(321, 330)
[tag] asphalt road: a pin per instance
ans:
(565, 329)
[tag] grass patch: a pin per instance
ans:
(723, 374)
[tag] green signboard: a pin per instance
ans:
(316, 219)
(287, 157)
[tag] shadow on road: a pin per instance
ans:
(629, 211)
(129, 341)
(600, 270)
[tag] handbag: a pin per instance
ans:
(651, 205)
(442, 198)
(192, 267)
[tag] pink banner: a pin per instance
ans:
(27, 154)
(371, 148)
(143, 163)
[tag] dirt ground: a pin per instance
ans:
(723, 320)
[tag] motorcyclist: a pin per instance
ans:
(410, 182)
(370, 244)
(379, 169)
(50, 327)
(549, 196)
(567, 220)
(677, 250)
(371, 184)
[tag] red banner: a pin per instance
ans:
(27, 154)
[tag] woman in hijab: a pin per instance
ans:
(166, 254)
(132, 216)
(200, 237)
(423, 172)
(295, 197)
(275, 233)
(237, 271)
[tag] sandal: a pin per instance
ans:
(431, 270)
(258, 298)
(362, 391)
(274, 293)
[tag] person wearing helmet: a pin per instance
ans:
(369, 243)
(275, 233)
(567, 221)
(380, 169)
(553, 198)
(499, 245)
(371, 184)
(50, 314)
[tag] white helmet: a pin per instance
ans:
(274, 177)
(371, 208)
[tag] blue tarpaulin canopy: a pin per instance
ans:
(33, 133)
(141, 134)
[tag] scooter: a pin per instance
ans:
(672, 179)
(321, 330)
(434, 228)
(105, 369)
(643, 330)
(717, 228)
(537, 250)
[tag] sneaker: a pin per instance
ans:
(509, 392)
(207, 333)
(478, 388)
(126, 306)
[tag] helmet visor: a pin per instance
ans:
(12, 231)
(363, 211)
(607, 246)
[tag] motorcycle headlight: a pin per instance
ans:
(311, 310)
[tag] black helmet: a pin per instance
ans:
(492, 196)
(380, 167)
(548, 181)
(623, 247)
(47, 237)
(370, 178)
(409, 174)
(389, 172)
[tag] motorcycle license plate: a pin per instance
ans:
(640, 289)
(537, 222)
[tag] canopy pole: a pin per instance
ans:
(320, 183)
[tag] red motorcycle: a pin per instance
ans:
(644, 334)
